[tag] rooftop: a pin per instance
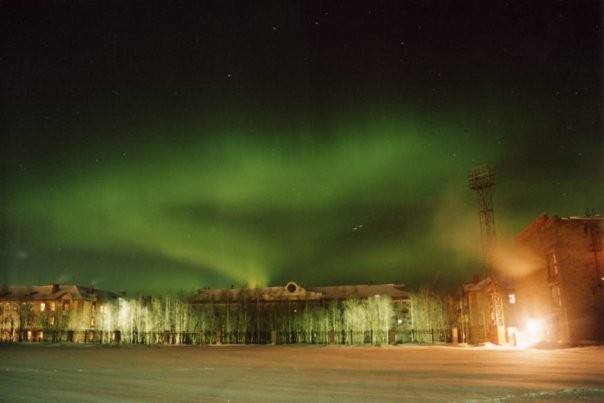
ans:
(294, 292)
(52, 292)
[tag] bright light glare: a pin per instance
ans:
(532, 334)
(533, 325)
(535, 330)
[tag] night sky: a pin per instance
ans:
(209, 144)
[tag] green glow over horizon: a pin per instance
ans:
(246, 210)
(359, 207)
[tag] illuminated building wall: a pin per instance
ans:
(50, 312)
(353, 314)
(357, 314)
(565, 291)
(477, 320)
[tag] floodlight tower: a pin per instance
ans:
(481, 179)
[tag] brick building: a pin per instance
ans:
(353, 314)
(364, 313)
(564, 294)
(51, 312)
(479, 322)
(293, 292)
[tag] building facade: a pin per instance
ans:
(53, 312)
(562, 299)
(480, 300)
(353, 314)
(373, 314)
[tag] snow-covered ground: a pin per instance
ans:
(30, 372)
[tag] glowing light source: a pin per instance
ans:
(533, 333)
(535, 330)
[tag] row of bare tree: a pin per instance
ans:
(173, 319)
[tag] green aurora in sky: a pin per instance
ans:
(207, 145)
(377, 202)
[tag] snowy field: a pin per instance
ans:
(32, 372)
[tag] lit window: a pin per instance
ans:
(102, 309)
(66, 305)
(92, 322)
(512, 298)
(42, 306)
(51, 321)
(53, 306)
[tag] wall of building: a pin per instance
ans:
(62, 318)
(478, 313)
(579, 281)
(565, 290)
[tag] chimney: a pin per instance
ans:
(55, 288)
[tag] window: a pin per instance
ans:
(51, 321)
(512, 299)
(552, 266)
(65, 305)
(53, 306)
(555, 292)
(42, 306)
(92, 322)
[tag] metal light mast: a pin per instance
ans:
(481, 179)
